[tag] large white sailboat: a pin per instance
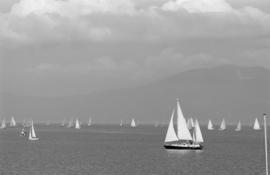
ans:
(210, 125)
(182, 138)
(12, 122)
(3, 124)
(239, 126)
(256, 125)
(133, 124)
(77, 124)
(32, 134)
(222, 125)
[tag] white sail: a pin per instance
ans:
(32, 133)
(63, 122)
(238, 128)
(198, 133)
(12, 122)
(171, 135)
(70, 123)
(190, 123)
(222, 125)
(3, 124)
(210, 125)
(182, 129)
(256, 125)
(90, 121)
(121, 123)
(133, 124)
(77, 124)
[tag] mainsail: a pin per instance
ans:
(198, 133)
(12, 122)
(171, 135)
(238, 128)
(256, 125)
(182, 129)
(90, 121)
(222, 125)
(3, 124)
(77, 124)
(210, 125)
(133, 124)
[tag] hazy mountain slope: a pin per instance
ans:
(226, 91)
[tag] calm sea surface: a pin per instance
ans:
(111, 150)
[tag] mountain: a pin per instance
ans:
(232, 92)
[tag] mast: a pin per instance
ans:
(265, 144)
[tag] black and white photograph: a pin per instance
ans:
(134, 87)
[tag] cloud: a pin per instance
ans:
(198, 6)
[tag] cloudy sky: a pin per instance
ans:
(60, 47)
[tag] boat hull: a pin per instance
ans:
(183, 147)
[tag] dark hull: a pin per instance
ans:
(183, 147)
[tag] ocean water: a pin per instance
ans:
(111, 150)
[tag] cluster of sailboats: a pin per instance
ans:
(210, 126)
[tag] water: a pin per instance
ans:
(111, 150)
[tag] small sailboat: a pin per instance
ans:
(121, 123)
(239, 127)
(63, 122)
(3, 124)
(190, 123)
(70, 123)
(32, 133)
(12, 122)
(133, 124)
(77, 124)
(222, 125)
(210, 125)
(90, 121)
(256, 125)
(182, 139)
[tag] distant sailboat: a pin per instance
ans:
(182, 139)
(63, 122)
(239, 127)
(121, 123)
(210, 125)
(77, 124)
(12, 122)
(222, 125)
(90, 121)
(32, 133)
(133, 124)
(70, 123)
(256, 125)
(190, 123)
(3, 124)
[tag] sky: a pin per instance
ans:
(66, 47)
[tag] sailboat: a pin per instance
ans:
(32, 133)
(12, 122)
(222, 125)
(182, 139)
(133, 124)
(70, 123)
(239, 127)
(77, 124)
(256, 125)
(210, 125)
(90, 121)
(190, 123)
(3, 124)
(63, 122)
(121, 123)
